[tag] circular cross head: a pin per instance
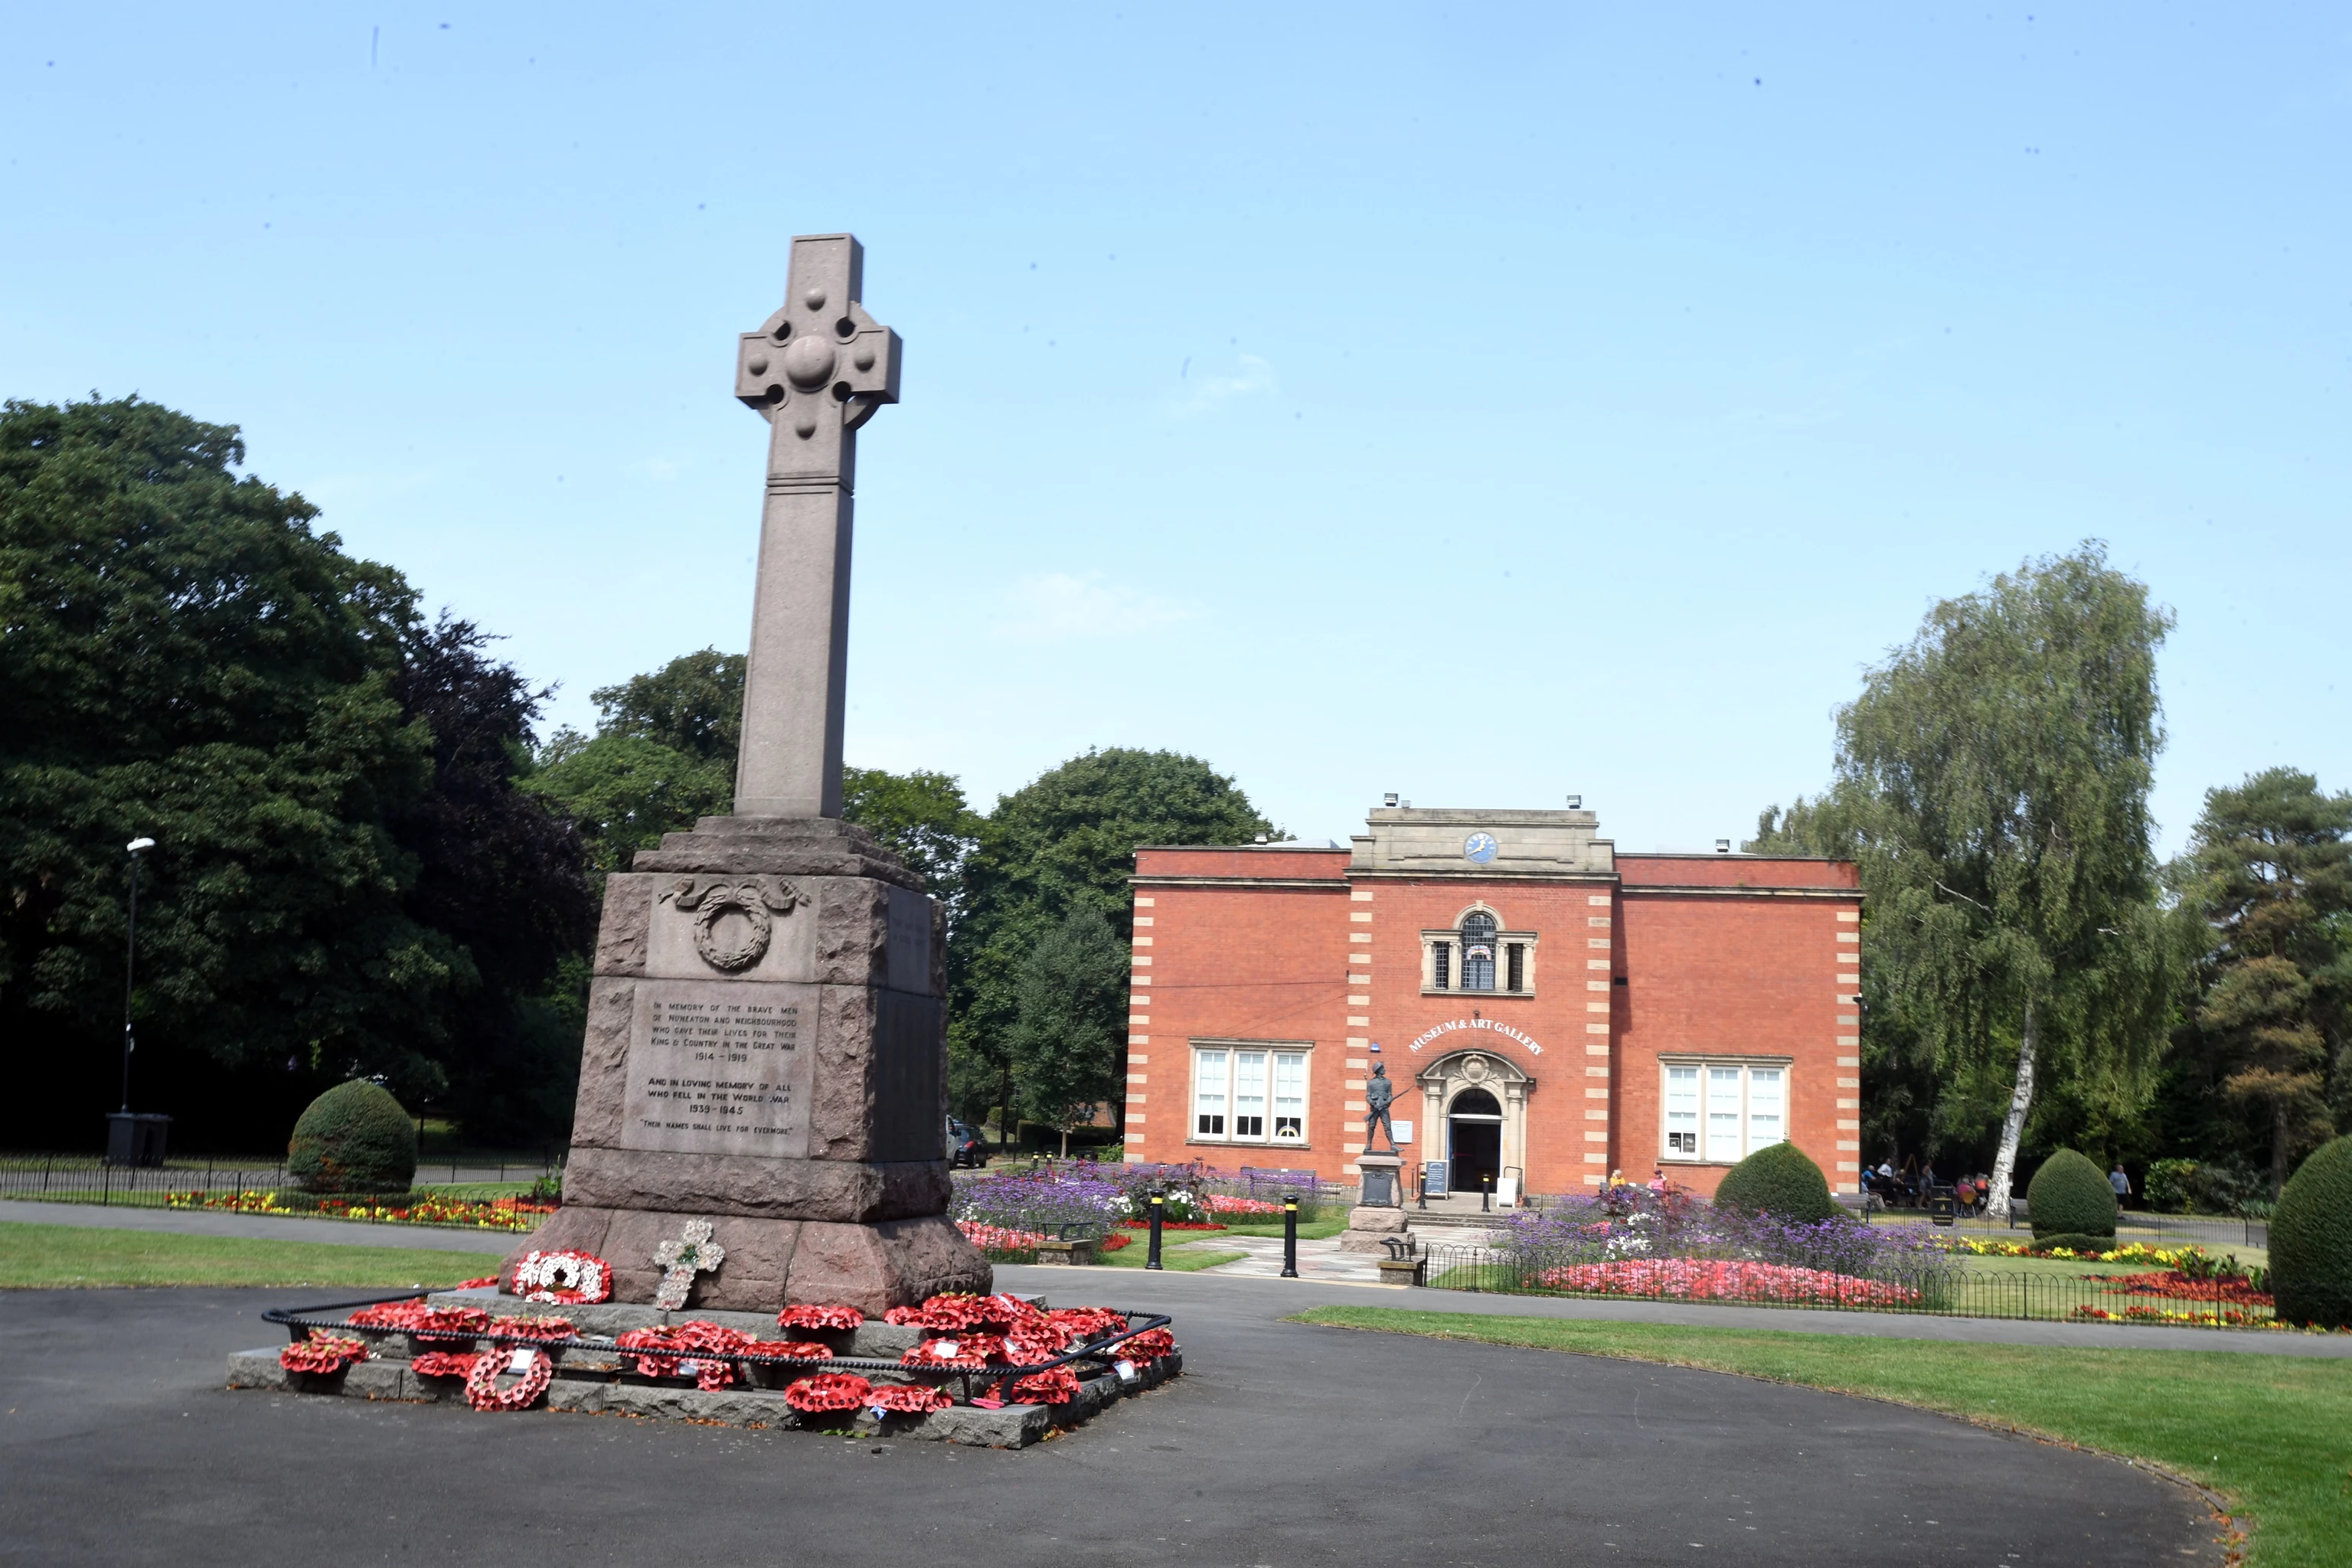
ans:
(808, 362)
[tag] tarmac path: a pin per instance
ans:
(1282, 1443)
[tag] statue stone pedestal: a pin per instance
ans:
(766, 1049)
(1380, 1219)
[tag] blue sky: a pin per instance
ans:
(1483, 404)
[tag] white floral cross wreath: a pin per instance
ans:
(565, 1277)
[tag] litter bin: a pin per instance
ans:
(135, 1138)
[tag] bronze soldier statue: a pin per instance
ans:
(1379, 1095)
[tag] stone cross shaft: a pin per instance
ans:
(815, 369)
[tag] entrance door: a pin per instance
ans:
(1474, 1136)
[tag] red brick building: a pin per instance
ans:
(1549, 1009)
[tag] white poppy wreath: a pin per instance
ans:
(566, 1278)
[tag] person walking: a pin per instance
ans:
(2121, 1183)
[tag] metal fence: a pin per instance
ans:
(85, 1179)
(1955, 1293)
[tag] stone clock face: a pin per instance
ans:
(1479, 847)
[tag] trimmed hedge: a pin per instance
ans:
(1779, 1181)
(354, 1138)
(2070, 1196)
(2311, 1240)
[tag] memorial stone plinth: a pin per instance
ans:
(766, 1045)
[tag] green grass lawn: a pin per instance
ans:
(1175, 1257)
(1309, 1229)
(2271, 1433)
(45, 1257)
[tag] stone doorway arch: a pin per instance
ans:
(1482, 1078)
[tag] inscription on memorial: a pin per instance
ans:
(719, 1068)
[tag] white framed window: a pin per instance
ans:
(1213, 1081)
(1718, 1112)
(1249, 1093)
(1478, 955)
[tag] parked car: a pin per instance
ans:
(964, 1145)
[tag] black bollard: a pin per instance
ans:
(1290, 1235)
(1152, 1258)
(1487, 1195)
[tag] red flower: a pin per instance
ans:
(1054, 1387)
(443, 1363)
(789, 1349)
(322, 1353)
(1089, 1322)
(1033, 1342)
(482, 1390)
(1146, 1347)
(820, 1318)
(967, 1352)
(829, 1391)
(688, 1338)
(906, 1398)
(1720, 1279)
(535, 1328)
(483, 1283)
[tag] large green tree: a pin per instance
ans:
(338, 879)
(663, 754)
(1066, 841)
(1070, 1022)
(2269, 868)
(922, 818)
(503, 878)
(1993, 780)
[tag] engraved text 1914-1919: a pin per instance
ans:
(719, 1067)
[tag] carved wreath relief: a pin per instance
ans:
(752, 898)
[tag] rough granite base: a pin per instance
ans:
(841, 1197)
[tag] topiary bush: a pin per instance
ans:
(354, 1138)
(2311, 1241)
(1778, 1180)
(2070, 1196)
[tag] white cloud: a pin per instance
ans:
(1203, 392)
(1059, 607)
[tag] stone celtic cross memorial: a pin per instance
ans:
(766, 1045)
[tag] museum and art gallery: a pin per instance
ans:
(1549, 1010)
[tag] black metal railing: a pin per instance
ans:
(1960, 1292)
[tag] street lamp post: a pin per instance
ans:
(135, 848)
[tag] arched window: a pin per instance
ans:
(1478, 952)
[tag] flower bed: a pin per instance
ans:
(2174, 1284)
(493, 1213)
(1724, 1279)
(2222, 1318)
(1227, 1203)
